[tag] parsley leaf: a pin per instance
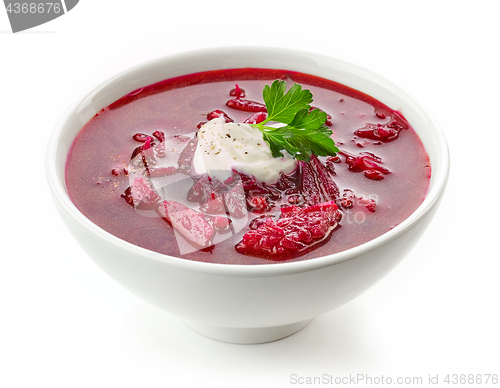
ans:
(281, 106)
(304, 133)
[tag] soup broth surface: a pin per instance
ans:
(97, 164)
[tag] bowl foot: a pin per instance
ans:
(251, 335)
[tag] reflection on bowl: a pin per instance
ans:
(254, 303)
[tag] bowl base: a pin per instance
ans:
(251, 335)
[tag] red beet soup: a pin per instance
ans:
(130, 171)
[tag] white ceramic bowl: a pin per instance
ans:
(237, 303)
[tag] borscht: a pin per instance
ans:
(247, 166)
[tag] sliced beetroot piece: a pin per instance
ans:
(348, 198)
(254, 187)
(246, 105)
(384, 132)
(258, 204)
(325, 179)
(219, 114)
(256, 118)
(213, 204)
(237, 92)
(309, 187)
(190, 223)
(366, 162)
(221, 224)
(380, 132)
(235, 202)
(141, 194)
(289, 183)
(159, 135)
(369, 203)
(205, 187)
(297, 230)
(398, 122)
(199, 191)
(374, 175)
(141, 137)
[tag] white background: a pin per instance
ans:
(64, 323)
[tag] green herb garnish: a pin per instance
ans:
(304, 133)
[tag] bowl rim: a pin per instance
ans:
(239, 270)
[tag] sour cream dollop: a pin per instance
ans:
(223, 147)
